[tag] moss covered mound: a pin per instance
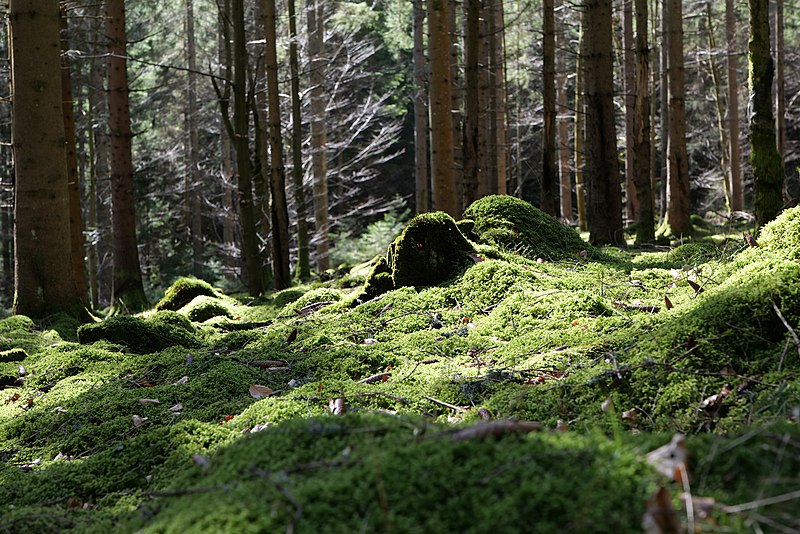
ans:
(182, 292)
(203, 308)
(783, 234)
(430, 250)
(379, 281)
(516, 226)
(142, 335)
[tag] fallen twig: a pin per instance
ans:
(380, 377)
(787, 325)
(636, 307)
(494, 429)
(445, 404)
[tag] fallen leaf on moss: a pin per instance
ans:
(138, 420)
(667, 303)
(670, 459)
(182, 380)
(660, 516)
(494, 429)
(337, 406)
(292, 336)
(696, 287)
(149, 401)
(176, 408)
(259, 392)
(714, 402)
(13, 398)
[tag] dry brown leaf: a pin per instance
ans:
(661, 517)
(138, 420)
(562, 426)
(292, 336)
(750, 240)
(714, 402)
(13, 398)
(337, 406)
(667, 303)
(494, 429)
(259, 392)
(670, 459)
(696, 287)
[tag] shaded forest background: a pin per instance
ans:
(185, 190)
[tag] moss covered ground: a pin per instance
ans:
(524, 393)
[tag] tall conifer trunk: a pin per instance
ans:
(128, 291)
(45, 279)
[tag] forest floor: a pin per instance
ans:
(531, 390)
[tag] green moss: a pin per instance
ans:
(515, 225)
(182, 292)
(379, 281)
(782, 236)
(203, 308)
(430, 250)
(13, 355)
(152, 334)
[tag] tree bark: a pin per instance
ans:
(420, 112)
(734, 156)
(579, 126)
(629, 74)
(303, 261)
(128, 291)
(277, 182)
(678, 222)
(719, 107)
(602, 166)
(445, 192)
(475, 183)
(764, 156)
(780, 89)
(193, 181)
(564, 171)
(547, 202)
(45, 278)
(645, 222)
(319, 149)
(498, 97)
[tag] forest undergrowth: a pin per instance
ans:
(491, 374)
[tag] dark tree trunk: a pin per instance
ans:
(128, 291)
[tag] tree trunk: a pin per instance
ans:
(580, 87)
(678, 221)
(457, 84)
(645, 222)
(602, 166)
(303, 262)
(128, 291)
(764, 156)
(565, 189)
(547, 202)
(319, 149)
(226, 155)
(241, 146)
(75, 216)
(277, 182)
(498, 99)
(780, 89)
(45, 278)
(628, 68)
(445, 192)
(719, 107)
(475, 183)
(420, 112)
(193, 181)
(734, 157)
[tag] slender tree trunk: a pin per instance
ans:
(445, 191)
(734, 156)
(780, 85)
(764, 156)
(602, 166)
(193, 183)
(45, 278)
(631, 200)
(678, 221)
(641, 148)
(565, 189)
(580, 111)
(226, 149)
(319, 149)
(498, 106)
(75, 216)
(303, 262)
(128, 291)
(665, 109)
(241, 145)
(420, 111)
(719, 107)
(457, 81)
(475, 183)
(277, 182)
(547, 202)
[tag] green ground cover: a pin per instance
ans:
(491, 374)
